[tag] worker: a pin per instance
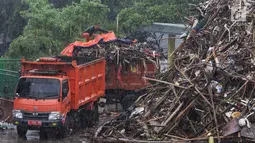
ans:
(91, 31)
(201, 23)
(192, 22)
(196, 25)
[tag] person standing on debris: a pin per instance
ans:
(201, 23)
(197, 24)
(192, 22)
(91, 31)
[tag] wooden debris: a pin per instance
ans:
(212, 77)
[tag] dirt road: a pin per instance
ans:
(82, 136)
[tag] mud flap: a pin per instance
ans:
(101, 105)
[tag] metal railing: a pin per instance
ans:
(9, 75)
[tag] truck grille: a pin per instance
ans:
(35, 116)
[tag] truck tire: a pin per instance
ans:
(43, 134)
(88, 118)
(22, 131)
(128, 100)
(64, 130)
(93, 117)
(96, 111)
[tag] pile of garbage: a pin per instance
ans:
(209, 90)
(123, 54)
(117, 51)
(120, 52)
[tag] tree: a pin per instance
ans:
(50, 29)
(116, 6)
(62, 3)
(12, 23)
(144, 12)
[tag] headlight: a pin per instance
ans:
(17, 114)
(54, 116)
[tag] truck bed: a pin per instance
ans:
(130, 79)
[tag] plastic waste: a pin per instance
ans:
(137, 110)
(217, 86)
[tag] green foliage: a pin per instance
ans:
(50, 29)
(11, 22)
(62, 3)
(116, 6)
(144, 12)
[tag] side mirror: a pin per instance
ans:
(59, 99)
(65, 92)
(17, 96)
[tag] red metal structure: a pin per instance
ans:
(127, 84)
(57, 94)
(131, 78)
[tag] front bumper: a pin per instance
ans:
(45, 124)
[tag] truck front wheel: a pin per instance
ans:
(65, 129)
(43, 134)
(22, 131)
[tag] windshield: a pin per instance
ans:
(38, 88)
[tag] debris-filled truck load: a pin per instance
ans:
(127, 62)
(208, 92)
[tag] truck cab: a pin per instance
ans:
(42, 101)
(51, 92)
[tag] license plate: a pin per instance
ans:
(34, 123)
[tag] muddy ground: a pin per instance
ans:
(81, 136)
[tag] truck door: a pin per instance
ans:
(66, 100)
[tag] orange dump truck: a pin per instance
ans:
(59, 94)
(124, 84)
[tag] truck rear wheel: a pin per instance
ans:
(22, 131)
(90, 117)
(128, 100)
(96, 111)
